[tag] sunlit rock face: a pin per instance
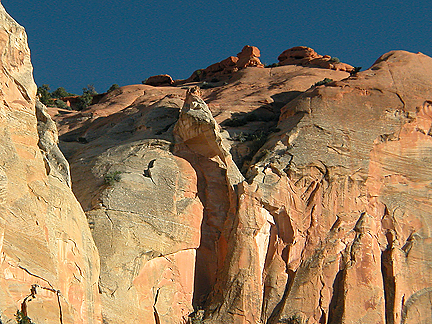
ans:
(268, 199)
(45, 241)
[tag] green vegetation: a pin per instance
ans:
(112, 177)
(87, 97)
(60, 93)
(322, 82)
(335, 60)
(44, 95)
(113, 87)
(61, 104)
(294, 319)
(241, 118)
(22, 319)
(271, 65)
(51, 99)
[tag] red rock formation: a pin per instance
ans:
(336, 182)
(49, 265)
(305, 56)
(159, 80)
(248, 57)
(330, 223)
(201, 145)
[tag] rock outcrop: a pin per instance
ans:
(248, 57)
(337, 207)
(49, 265)
(268, 199)
(159, 80)
(132, 156)
(306, 56)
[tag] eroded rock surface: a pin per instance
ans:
(268, 199)
(338, 184)
(306, 56)
(223, 70)
(44, 238)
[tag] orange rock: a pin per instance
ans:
(305, 56)
(159, 80)
(249, 56)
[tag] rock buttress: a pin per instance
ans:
(45, 241)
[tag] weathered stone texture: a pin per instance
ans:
(327, 222)
(44, 237)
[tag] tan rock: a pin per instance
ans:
(45, 242)
(331, 225)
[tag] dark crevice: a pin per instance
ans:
(337, 303)
(147, 172)
(389, 281)
(156, 315)
(276, 314)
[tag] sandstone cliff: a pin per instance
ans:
(267, 199)
(45, 243)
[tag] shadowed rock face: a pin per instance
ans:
(44, 238)
(327, 222)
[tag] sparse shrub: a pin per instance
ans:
(49, 99)
(322, 82)
(207, 85)
(196, 317)
(87, 97)
(114, 87)
(22, 319)
(241, 137)
(335, 60)
(44, 95)
(112, 177)
(60, 93)
(271, 65)
(61, 104)
(294, 319)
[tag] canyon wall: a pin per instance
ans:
(49, 265)
(270, 198)
(298, 193)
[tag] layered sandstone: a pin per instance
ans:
(306, 56)
(248, 57)
(49, 265)
(337, 207)
(158, 142)
(264, 200)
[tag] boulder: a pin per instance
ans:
(159, 80)
(249, 57)
(306, 56)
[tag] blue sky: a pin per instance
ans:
(75, 43)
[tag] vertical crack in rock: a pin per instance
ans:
(155, 312)
(337, 303)
(276, 314)
(387, 269)
(51, 288)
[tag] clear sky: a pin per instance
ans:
(76, 43)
